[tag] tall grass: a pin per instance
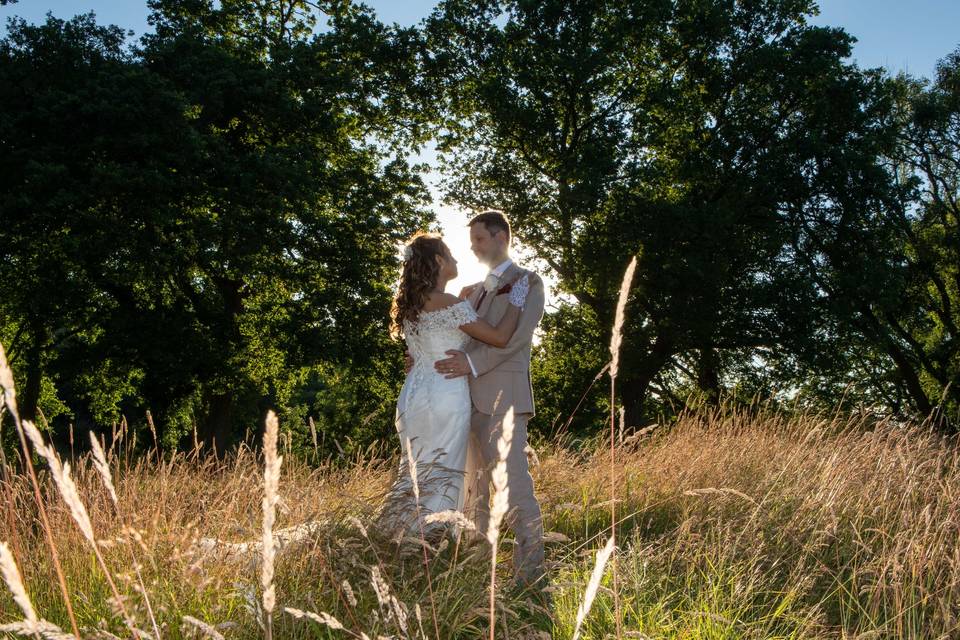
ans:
(733, 522)
(10, 404)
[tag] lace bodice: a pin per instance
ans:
(437, 331)
(433, 420)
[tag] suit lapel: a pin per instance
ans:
(473, 297)
(487, 301)
(508, 275)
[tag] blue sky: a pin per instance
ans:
(895, 34)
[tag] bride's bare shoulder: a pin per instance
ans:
(438, 301)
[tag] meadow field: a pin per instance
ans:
(212, 215)
(732, 523)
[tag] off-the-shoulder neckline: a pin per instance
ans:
(449, 306)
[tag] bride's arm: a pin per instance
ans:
(479, 329)
(496, 336)
(499, 335)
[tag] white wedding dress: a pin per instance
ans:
(433, 422)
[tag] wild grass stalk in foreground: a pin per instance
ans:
(10, 402)
(616, 338)
(11, 576)
(271, 481)
(593, 585)
(102, 465)
(71, 496)
(501, 503)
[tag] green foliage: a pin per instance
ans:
(352, 408)
(205, 224)
(108, 386)
(729, 146)
(924, 323)
(195, 222)
(564, 366)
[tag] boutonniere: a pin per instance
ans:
(505, 288)
(490, 283)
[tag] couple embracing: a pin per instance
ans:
(468, 363)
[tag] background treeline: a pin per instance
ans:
(205, 224)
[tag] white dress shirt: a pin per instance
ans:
(497, 271)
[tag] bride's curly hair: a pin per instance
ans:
(419, 276)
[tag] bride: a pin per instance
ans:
(433, 412)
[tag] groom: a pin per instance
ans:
(499, 378)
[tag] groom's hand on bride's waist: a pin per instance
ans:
(454, 366)
(407, 362)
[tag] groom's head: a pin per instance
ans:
(490, 237)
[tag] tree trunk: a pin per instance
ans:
(216, 432)
(905, 368)
(29, 399)
(633, 392)
(708, 374)
(633, 385)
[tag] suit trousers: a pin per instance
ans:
(523, 516)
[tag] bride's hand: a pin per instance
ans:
(468, 290)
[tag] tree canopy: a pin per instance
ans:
(204, 224)
(730, 146)
(199, 224)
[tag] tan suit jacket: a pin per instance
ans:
(505, 372)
